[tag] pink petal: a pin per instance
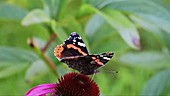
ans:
(42, 93)
(41, 90)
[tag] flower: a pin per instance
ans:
(71, 84)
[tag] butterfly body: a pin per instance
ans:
(73, 52)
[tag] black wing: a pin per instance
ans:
(101, 59)
(87, 64)
(75, 42)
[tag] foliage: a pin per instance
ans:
(137, 31)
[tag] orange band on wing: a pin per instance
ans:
(97, 61)
(76, 48)
(58, 50)
(94, 58)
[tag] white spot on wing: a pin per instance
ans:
(79, 37)
(101, 55)
(81, 44)
(106, 58)
(74, 40)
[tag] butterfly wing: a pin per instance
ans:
(87, 64)
(81, 64)
(101, 59)
(73, 46)
(75, 41)
(73, 52)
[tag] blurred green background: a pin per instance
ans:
(137, 31)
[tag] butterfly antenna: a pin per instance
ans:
(115, 72)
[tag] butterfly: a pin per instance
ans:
(74, 53)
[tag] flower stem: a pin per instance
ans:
(41, 53)
(52, 37)
(49, 63)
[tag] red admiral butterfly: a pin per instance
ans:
(73, 52)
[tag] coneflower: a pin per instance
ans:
(71, 84)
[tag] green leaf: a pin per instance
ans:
(145, 24)
(16, 35)
(150, 34)
(14, 60)
(126, 29)
(68, 7)
(110, 42)
(36, 16)
(61, 8)
(11, 12)
(12, 70)
(37, 68)
(151, 40)
(150, 10)
(70, 24)
(158, 85)
(84, 13)
(51, 7)
(166, 37)
(146, 59)
(61, 34)
(11, 55)
(93, 25)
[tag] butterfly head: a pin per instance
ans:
(74, 34)
(74, 37)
